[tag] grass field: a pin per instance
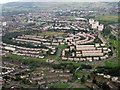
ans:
(112, 63)
(62, 47)
(111, 18)
(50, 56)
(15, 57)
(79, 72)
(115, 44)
(26, 59)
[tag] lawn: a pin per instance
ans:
(111, 63)
(111, 18)
(35, 59)
(26, 59)
(15, 57)
(72, 63)
(114, 61)
(59, 58)
(62, 47)
(79, 72)
(115, 44)
(50, 57)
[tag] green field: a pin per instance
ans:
(112, 63)
(62, 47)
(50, 57)
(26, 59)
(115, 44)
(79, 72)
(110, 18)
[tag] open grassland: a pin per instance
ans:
(110, 18)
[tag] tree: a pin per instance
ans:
(88, 77)
(94, 80)
(105, 86)
(107, 30)
(83, 79)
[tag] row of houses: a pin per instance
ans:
(50, 69)
(52, 75)
(110, 84)
(90, 83)
(73, 39)
(8, 70)
(45, 42)
(30, 52)
(3, 52)
(52, 80)
(85, 53)
(84, 58)
(28, 55)
(113, 78)
(76, 39)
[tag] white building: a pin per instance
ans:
(100, 27)
(4, 23)
(92, 54)
(10, 48)
(97, 23)
(94, 26)
(91, 21)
